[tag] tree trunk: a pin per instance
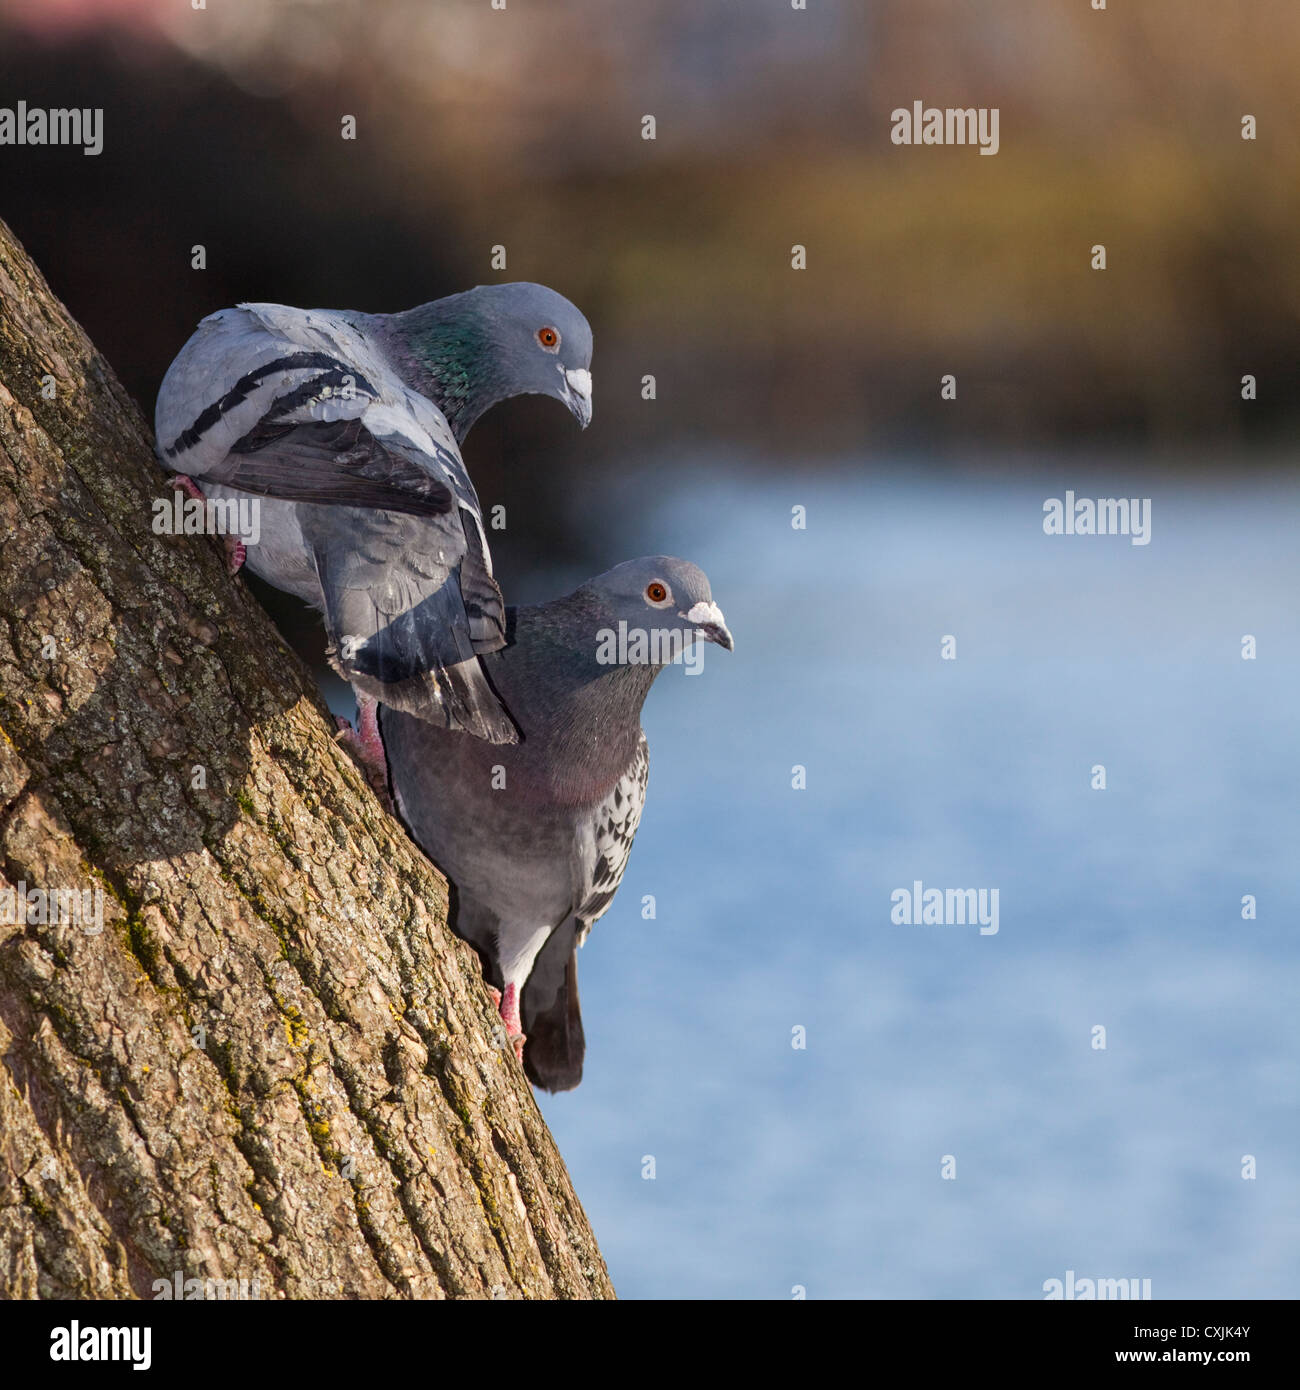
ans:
(274, 1063)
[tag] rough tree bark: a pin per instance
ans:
(275, 1063)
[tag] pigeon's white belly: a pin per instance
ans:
(528, 891)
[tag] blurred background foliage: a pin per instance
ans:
(523, 127)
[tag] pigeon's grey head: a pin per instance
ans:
(470, 350)
(659, 593)
(543, 341)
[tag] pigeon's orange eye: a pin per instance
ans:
(549, 338)
(656, 592)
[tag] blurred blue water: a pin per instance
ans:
(777, 1167)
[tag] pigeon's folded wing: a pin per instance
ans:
(298, 404)
(301, 406)
(407, 617)
(338, 462)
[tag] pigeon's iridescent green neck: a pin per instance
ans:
(450, 359)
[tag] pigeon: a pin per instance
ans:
(534, 837)
(349, 425)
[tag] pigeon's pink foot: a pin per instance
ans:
(367, 747)
(188, 486)
(368, 733)
(236, 553)
(495, 995)
(509, 1006)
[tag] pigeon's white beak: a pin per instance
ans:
(707, 617)
(576, 391)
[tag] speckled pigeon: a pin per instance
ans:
(534, 838)
(348, 424)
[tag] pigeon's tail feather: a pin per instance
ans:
(456, 697)
(421, 661)
(552, 1019)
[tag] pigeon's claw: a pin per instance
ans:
(509, 1007)
(368, 732)
(367, 747)
(236, 552)
(188, 486)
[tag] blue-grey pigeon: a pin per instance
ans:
(534, 837)
(348, 425)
